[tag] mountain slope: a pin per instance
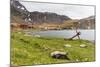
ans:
(17, 9)
(87, 23)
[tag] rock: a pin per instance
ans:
(19, 32)
(86, 59)
(83, 46)
(67, 45)
(59, 55)
(77, 60)
(36, 35)
(27, 35)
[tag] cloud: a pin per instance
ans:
(73, 11)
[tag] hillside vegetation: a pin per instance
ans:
(30, 50)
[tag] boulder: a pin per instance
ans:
(36, 35)
(19, 32)
(27, 35)
(83, 46)
(59, 55)
(77, 60)
(67, 45)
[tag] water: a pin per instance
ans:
(85, 34)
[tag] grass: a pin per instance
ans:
(30, 50)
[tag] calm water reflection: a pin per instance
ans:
(85, 34)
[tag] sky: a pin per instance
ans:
(72, 11)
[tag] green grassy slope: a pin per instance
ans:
(30, 50)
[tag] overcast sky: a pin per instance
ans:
(73, 11)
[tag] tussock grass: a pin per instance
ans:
(30, 50)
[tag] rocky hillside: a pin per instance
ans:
(87, 23)
(17, 9)
(47, 17)
(19, 14)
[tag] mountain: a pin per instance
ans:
(20, 15)
(87, 23)
(18, 10)
(47, 17)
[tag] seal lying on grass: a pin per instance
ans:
(59, 55)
